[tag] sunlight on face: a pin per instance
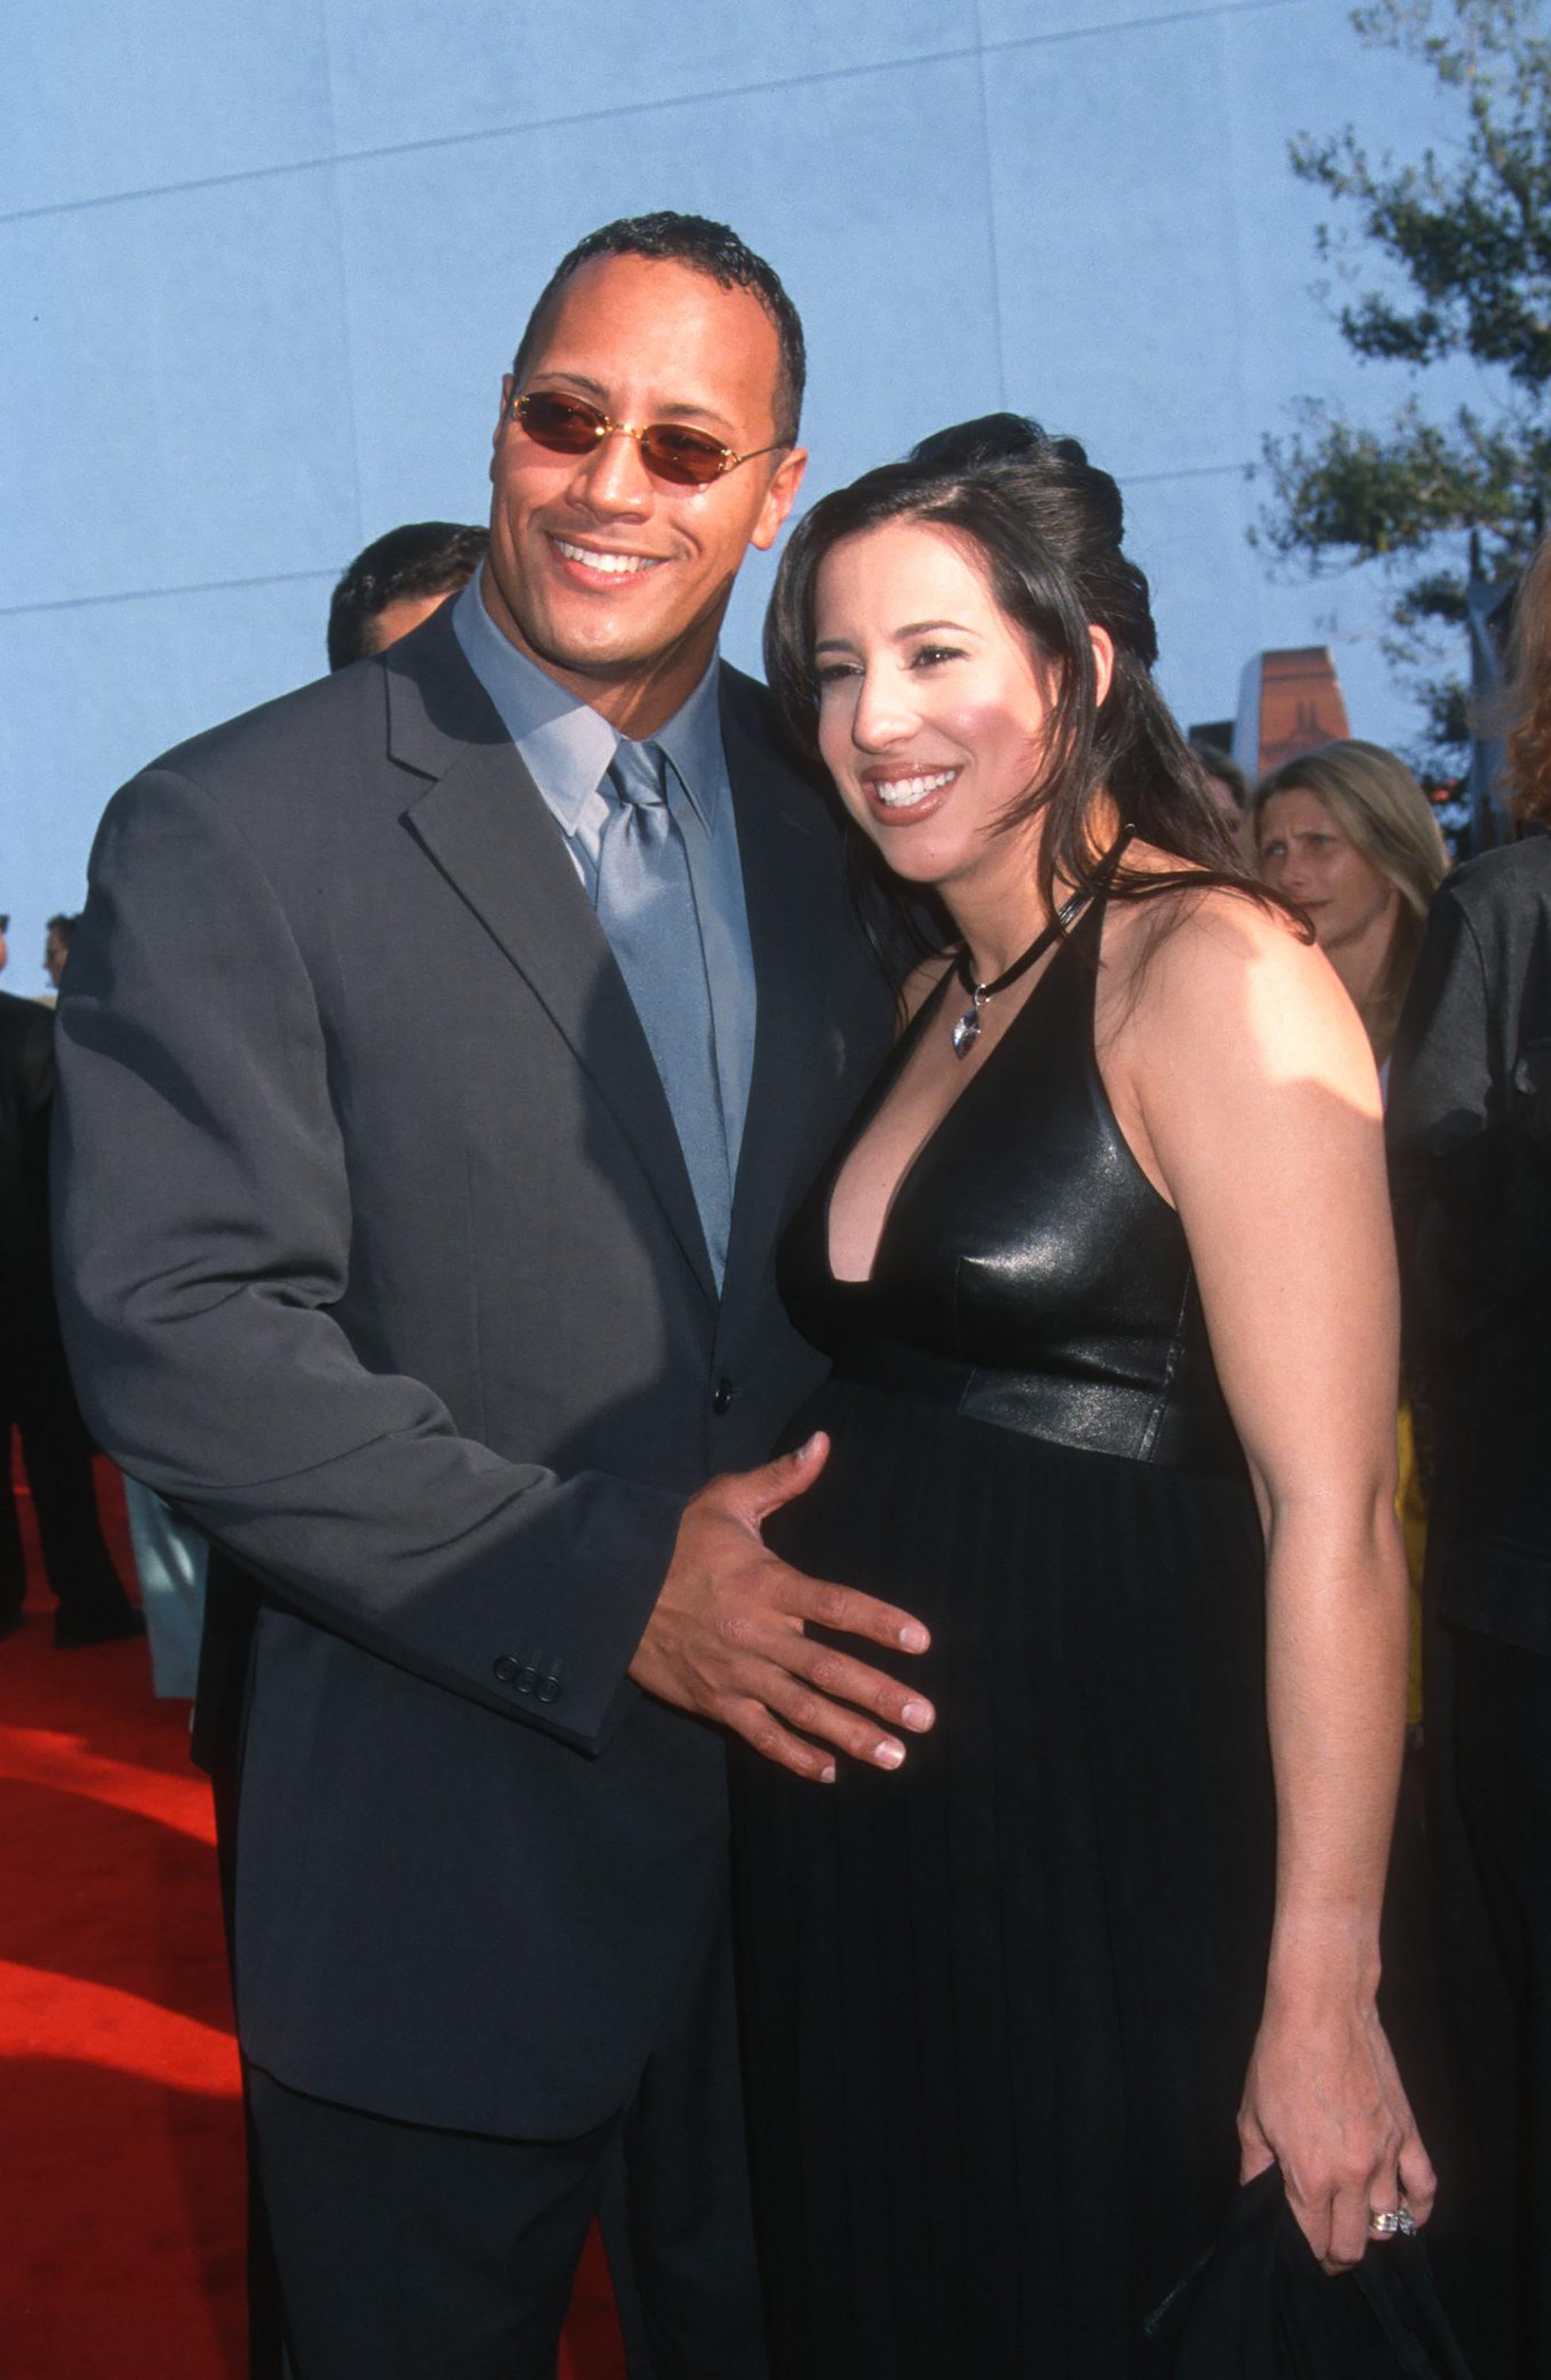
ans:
(932, 712)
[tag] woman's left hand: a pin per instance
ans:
(1323, 2100)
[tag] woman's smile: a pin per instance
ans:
(932, 709)
(904, 793)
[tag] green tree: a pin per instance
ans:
(1464, 244)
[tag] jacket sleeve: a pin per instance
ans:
(202, 1226)
(1470, 1152)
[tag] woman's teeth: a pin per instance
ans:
(903, 792)
(618, 566)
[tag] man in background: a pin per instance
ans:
(1226, 782)
(397, 581)
(36, 1400)
(56, 946)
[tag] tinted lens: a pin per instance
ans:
(682, 456)
(562, 423)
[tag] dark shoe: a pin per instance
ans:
(74, 1629)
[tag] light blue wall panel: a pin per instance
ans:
(405, 72)
(1118, 265)
(1287, 71)
(1188, 536)
(1021, 20)
(176, 406)
(97, 99)
(92, 691)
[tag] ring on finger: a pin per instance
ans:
(1391, 2223)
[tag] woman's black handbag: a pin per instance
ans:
(1258, 2307)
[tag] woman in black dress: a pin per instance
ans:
(1103, 1266)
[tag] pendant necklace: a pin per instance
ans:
(966, 1030)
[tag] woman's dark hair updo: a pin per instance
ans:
(1046, 527)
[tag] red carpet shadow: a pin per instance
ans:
(123, 2227)
(66, 1860)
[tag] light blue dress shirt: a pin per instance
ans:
(566, 748)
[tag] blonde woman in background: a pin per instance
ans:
(1348, 834)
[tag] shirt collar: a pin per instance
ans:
(564, 743)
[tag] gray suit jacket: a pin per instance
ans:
(379, 1260)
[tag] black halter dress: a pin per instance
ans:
(999, 2005)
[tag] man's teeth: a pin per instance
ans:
(618, 566)
(899, 793)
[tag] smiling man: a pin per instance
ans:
(444, 1049)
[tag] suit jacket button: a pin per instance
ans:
(506, 1669)
(722, 1394)
(527, 1683)
(549, 1689)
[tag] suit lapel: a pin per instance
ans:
(483, 823)
(788, 870)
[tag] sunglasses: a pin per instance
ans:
(681, 457)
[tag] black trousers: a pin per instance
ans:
(403, 2252)
(36, 1400)
(1502, 1752)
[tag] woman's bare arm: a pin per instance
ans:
(1255, 1102)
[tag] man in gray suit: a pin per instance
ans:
(442, 1050)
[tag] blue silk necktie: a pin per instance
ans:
(645, 906)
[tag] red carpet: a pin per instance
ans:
(121, 2195)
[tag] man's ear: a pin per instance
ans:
(779, 497)
(502, 418)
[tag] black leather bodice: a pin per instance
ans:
(1028, 1272)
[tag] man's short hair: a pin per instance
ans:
(705, 247)
(1222, 765)
(63, 925)
(422, 558)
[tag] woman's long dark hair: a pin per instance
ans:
(1046, 527)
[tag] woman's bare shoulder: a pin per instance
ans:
(1200, 923)
(1221, 979)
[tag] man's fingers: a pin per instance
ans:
(835, 1674)
(764, 1491)
(858, 1737)
(849, 1613)
(758, 1727)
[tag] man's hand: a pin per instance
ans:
(726, 1638)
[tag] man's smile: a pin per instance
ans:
(606, 561)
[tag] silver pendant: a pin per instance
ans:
(966, 1032)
